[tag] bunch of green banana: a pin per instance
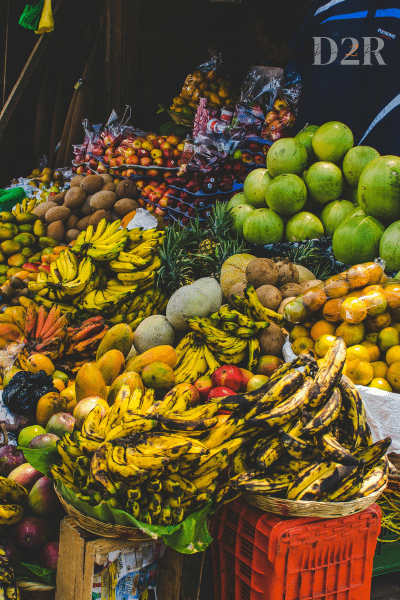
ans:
(8, 586)
(103, 243)
(12, 498)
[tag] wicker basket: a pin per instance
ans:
(300, 508)
(32, 587)
(107, 530)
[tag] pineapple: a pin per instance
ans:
(177, 263)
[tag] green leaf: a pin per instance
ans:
(174, 128)
(25, 570)
(40, 459)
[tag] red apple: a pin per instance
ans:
(113, 162)
(93, 162)
(153, 173)
(82, 169)
(172, 163)
(259, 159)
(247, 375)
(151, 137)
(147, 190)
(130, 172)
(160, 211)
(132, 160)
(220, 392)
(106, 160)
(167, 153)
(247, 157)
(101, 169)
(142, 203)
(176, 153)
(146, 161)
(229, 376)
(142, 152)
(204, 386)
(267, 364)
(140, 184)
(150, 208)
(256, 382)
(120, 160)
(97, 150)
(155, 196)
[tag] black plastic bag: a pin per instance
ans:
(25, 390)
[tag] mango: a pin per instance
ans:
(25, 217)
(35, 257)
(10, 247)
(38, 228)
(10, 374)
(25, 239)
(27, 252)
(16, 260)
(89, 382)
(12, 271)
(3, 269)
(165, 354)
(50, 404)
(26, 228)
(3, 279)
(6, 216)
(8, 231)
(47, 242)
(111, 364)
(119, 337)
(132, 379)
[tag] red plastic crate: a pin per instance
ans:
(260, 556)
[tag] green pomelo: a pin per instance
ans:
(356, 212)
(304, 226)
(254, 187)
(263, 226)
(312, 128)
(239, 214)
(334, 214)
(324, 182)
(379, 188)
(305, 138)
(357, 240)
(286, 194)
(354, 162)
(332, 140)
(349, 193)
(389, 247)
(237, 199)
(286, 155)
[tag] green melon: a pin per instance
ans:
(304, 226)
(286, 155)
(334, 214)
(263, 226)
(286, 194)
(389, 247)
(357, 240)
(379, 188)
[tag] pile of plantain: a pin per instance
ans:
(313, 441)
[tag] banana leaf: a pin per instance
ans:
(40, 459)
(188, 537)
(24, 571)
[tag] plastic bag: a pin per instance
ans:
(25, 390)
(280, 120)
(334, 288)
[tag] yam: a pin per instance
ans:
(261, 271)
(290, 289)
(56, 230)
(75, 197)
(269, 296)
(92, 184)
(271, 340)
(103, 201)
(57, 213)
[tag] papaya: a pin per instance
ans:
(132, 379)
(16, 260)
(9, 375)
(47, 242)
(8, 231)
(111, 364)
(119, 337)
(26, 228)
(89, 382)
(164, 354)
(6, 216)
(25, 239)
(38, 228)
(35, 258)
(25, 217)
(10, 247)
(11, 332)
(50, 404)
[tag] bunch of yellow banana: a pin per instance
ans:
(194, 359)
(26, 206)
(315, 443)
(103, 243)
(8, 586)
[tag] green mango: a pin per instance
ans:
(46, 251)
(27, 252)
(6, 216)
(35, 258)
(27, 228)
(26, 217)
(25, 239)
(3, 279)
(39, 229)
(10, 247)
(8, 231)
(4, 269)
(47, 242)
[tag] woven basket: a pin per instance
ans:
(107, 530)
(31, 587)
(300, 508)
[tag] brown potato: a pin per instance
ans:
(261, 271)
(96, 217)
(291, 289)
(103, 200)
(41, 209)
(271, 340)
(83, 224)
(287, 272)
(124, 206)
(57, 213)
(269, 296)
(56, 230)
(92, 184)
(75, 197)
(71, 235)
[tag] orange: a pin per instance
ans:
(315, 298)
(360, 372)
(39, 362)
(256, 382)
(392, 355)
(302, 344)
(380, 369)
(395, 314)
(323, 344)
(336, 286)
(357, 352)
(298, 331)
(376, 302)
(373, 288)
(393, 376)
(331, 310)
(357, 276)
(159, 376)
(375, 323)
(372, 337)
(375, 273)
(396, 326)
(388, 337)
(381, 384)
(353, 310)
(352, 334)
(373, 349)
(392, 294)
(295, 311)
(321, 327)
(58, 384)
